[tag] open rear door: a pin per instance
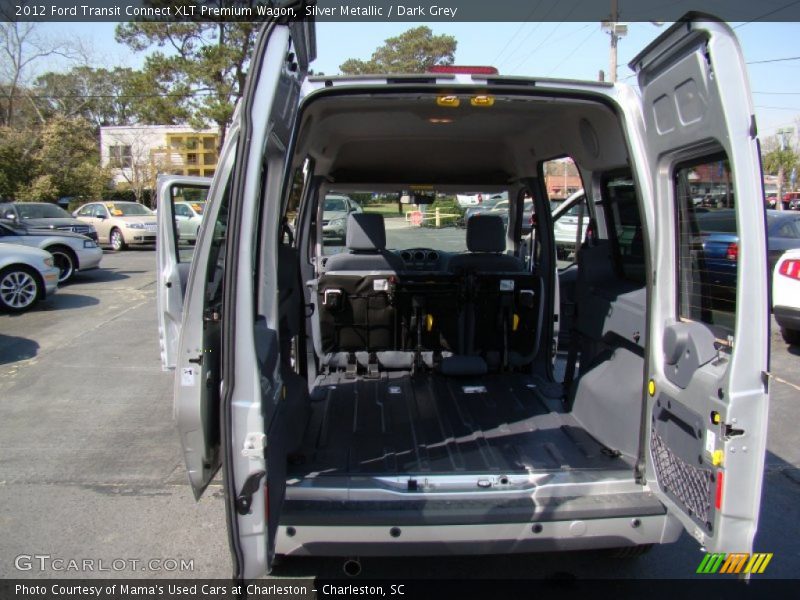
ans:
(706, 413)
(254, 390)
(174, 259)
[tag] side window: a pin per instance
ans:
(99, 211)
(625, 225)
(563, 181)
(186, 230)
(708, 243)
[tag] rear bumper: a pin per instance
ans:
(787, 317)
(487, 538)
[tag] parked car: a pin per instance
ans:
(44, 215)
(487, 203)
(188, 216)
(27, 275)
(786, 295)
(479, 199)
(71, 252)
(718, 237)
(334, 217)
(399, 397)
(791, 200)
(565, 224)
(120, 224)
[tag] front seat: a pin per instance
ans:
(366, 247)
(486, 245)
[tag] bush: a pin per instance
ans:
(451, 213)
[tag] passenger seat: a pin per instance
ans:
(356, 313)
(486, 245)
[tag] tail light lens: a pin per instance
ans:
(732, 252)
(790, 268)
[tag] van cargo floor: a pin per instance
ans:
(429, 423)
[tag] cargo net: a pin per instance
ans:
(688, 484)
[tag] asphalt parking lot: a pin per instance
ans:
(91, 468)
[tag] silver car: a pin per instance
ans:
(405, 396)
(71, 252)
(27, 275)
(335, 211)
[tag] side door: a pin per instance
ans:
(255, 393)
(174, 260)
(101, 221)
(705, 422)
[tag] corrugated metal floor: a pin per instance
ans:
(427, 423)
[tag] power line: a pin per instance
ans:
(552, 31)
(772, 12)
(574, 50)
(779, 108)
(521, 25)
(779, 93)
(772, 60)
(530, 33)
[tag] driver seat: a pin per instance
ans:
(366, 247)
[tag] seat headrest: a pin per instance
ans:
(486, 233)
(365, 232)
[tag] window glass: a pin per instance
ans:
(41, 211)
(708, 244)
(563, 181)
(619, 197)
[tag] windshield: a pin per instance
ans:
(127, 209)
(41, 211)
(437, 226)
(335, 205)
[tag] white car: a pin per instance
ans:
(565, 224)
(477, 198)
(786, 295)
(188, 216)
(27, 275)
(72, 252)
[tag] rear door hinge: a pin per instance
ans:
(245, 498)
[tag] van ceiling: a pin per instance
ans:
(408, 138)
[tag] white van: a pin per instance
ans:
(403, 393)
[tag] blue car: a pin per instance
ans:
(716, 233)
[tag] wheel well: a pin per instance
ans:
(65, 250)
(32, 271)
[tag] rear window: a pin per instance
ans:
(708, 244)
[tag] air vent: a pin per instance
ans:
(433, 256)
(406, 256)
(419, 255)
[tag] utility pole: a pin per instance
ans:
(616, 30)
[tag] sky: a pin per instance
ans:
(563, 50)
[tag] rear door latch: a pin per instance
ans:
(245, 497)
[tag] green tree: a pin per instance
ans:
(778, 159)
(414, 51)
(101, 96)
(17, 162)
(203, 65)
(66, 163)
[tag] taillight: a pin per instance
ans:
(790, 268)
(733, 251)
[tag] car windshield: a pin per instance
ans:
(335, 204)
(438, 226)
(41, 211)
(127, 209)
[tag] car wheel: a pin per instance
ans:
(790, 336)
(65, 260)
(117, 241)
(20, 287)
